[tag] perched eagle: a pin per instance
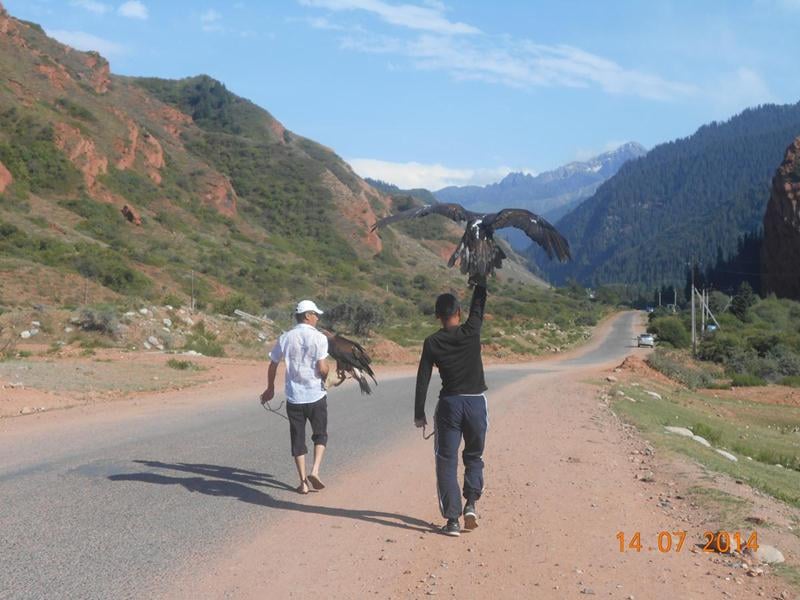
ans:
(477, 252)
(351, 359)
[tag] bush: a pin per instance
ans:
(103, 320)
(228, 305)
(746, 380)
(703, 430)
(671, 365)
(791, 381)
(203, 341)
(670, 330)
(182, 365)
(360, 316)
(172, 300)
(743, 300)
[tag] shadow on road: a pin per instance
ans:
(230, 482)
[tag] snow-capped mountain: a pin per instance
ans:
(550, 194)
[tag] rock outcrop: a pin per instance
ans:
(219, 193)
(780, 255)
(5, 178)
(82, 152)
(99, 72)
(131, 215)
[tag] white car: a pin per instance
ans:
(647, 340)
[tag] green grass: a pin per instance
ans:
(679, 367)
(791, 381)
(762, 432)
(745, 380)
(183, 365)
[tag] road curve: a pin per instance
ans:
(110, 511)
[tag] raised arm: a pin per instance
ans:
(476, 307)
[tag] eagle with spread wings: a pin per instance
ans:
(351, 359)
(477, 252)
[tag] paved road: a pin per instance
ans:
(113, 511)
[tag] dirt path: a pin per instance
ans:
(561, 482)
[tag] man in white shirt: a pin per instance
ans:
(304, 350)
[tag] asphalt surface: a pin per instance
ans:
(114, 510)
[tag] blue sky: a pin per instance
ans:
(429, 93)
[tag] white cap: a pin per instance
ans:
(305, 306)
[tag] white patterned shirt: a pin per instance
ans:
(302, 347)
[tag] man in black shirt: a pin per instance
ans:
(461, 411)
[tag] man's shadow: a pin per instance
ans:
(230, 482)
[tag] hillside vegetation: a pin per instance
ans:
(222, 206)
(758, 342)
(693, 198)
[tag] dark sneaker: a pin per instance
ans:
(451, 528)
(470, 516)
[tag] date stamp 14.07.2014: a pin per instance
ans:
(674, 541)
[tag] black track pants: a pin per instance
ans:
(459, 417)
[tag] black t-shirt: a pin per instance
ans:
(457, 354)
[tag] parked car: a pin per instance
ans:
(646, 339)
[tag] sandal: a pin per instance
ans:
(315, 482)
(302, 488)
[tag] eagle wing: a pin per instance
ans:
(453, 211)
(536, 228)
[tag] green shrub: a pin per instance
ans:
(359, 316)
(670, 330)
(586, 320)
(747, 380)
(203, 341)
(172, 300)
(672, 365)
(229, 304)
(129, 184)
(30, 154)
(183, 365)
(109, 269)
(703, 430)
(74, 109)
(791, 381)
(101, 319)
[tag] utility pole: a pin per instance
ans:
(192, 309)
(694, 319)
(703, 314)
(659, 298)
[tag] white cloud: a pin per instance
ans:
(92, 6)
(133, 9)
(433, 177)
(210, 16)
(422, 18)
(520, 64)
(81, 40)
(733, 92)
(210, 20)
(323, 23)
(494, 59)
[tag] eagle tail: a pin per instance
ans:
(362, 382)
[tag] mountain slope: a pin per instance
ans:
(550, 194)
(688, 199)
(213, 184)
(137, 191)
